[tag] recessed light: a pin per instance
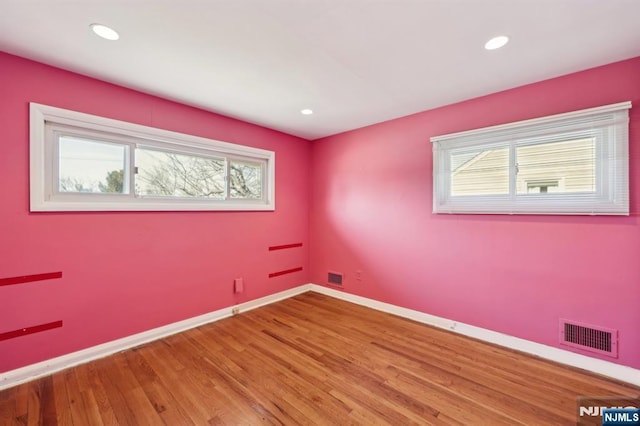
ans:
(306, 111)
(496, 42)
(105, 32)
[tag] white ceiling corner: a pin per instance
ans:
(354, 62)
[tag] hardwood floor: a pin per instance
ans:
(310, 359)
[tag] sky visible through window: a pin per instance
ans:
(90, 166)
(85, 164)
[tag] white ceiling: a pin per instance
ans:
(354, 62)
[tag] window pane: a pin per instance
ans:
(482, 172)
(91, 166)
(558, 167)
(178, 175)
(246, 180)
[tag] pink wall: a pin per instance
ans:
(124, 273)
(371, 211)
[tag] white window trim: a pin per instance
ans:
(43, 160)
(611, 196)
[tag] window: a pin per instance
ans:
(542, 187)
(573, 163)
(81, 162)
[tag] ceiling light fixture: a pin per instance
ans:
(306, 111)
(105, 32)
(496, 42)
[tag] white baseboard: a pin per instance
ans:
(30, 372)
(595, 365)
(44, 368)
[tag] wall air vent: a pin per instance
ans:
(335, 278)
(589, 338)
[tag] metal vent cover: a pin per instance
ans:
(334, 278)
(589, 337)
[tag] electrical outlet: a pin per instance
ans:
(235, 310)
(238, 285)
(358, 275)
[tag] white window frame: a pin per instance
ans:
(608, 124)
(44, 195)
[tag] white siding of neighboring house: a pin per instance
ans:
(567, 166)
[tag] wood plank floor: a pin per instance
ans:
(310, 359)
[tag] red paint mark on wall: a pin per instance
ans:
(28, 278)
(288, 271)
(285, 246)
(30, 330)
